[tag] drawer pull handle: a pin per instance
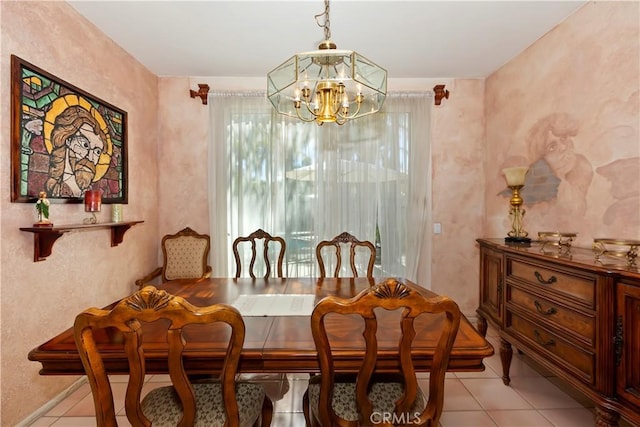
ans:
(548, 312)
(541, 279)
(543, 343)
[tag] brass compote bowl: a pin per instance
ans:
(617, 248)
(561, 241)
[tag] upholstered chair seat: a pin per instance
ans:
(383, 395)
(162, 406)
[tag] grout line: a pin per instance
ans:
(44, 409)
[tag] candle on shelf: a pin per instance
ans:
(116, 212)
(92, 201)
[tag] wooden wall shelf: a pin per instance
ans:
(45, 237)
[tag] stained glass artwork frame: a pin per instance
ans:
(64, 141)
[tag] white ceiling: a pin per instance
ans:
(419, 39)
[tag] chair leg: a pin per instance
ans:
(305, 408)
(267, 412)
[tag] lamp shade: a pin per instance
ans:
(515, 176)
(92, 201)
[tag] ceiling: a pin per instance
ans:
(411, 39)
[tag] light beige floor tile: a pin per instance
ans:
(495, 343)
(457, 397)
(287, 419)
(119, 391)
(299, 388)
(75, 422)
(576, 417)
(492, 332)
(519, 366)
(491, 393)
(519, 418)
(488, 372)
(84, 408)
(118, 378)
(123, 421)
(159, 379)
(66, 404)
(542, 393)
(466, 419)
(285, 402)
(575, 394)
(43, 422)
(513, 406)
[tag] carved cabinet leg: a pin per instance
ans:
(506, 353)
(606, 418)
(481, 324)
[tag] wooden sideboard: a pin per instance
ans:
(575, 316)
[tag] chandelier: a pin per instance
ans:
(327, 85)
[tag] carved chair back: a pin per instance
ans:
(370, 394)
(185, 255)
(174, 405)
(337, 243)
(266, 238)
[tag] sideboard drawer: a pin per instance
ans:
(570, 321)
(570, 357)
(575, 286)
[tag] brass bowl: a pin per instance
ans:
(561, 241)
(616, 248)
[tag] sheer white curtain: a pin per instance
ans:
(306, 183)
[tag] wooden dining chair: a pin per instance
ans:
(372, 398)
(185, 256)
(222, 402)
(337, 243)
(266, 239)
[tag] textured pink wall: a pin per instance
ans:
(182, 158)
(569, 107)
(39, 300)
(457, 152)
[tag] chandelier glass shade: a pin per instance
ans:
(327, 85)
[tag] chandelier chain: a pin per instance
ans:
(327, 23)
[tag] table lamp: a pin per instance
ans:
(515, 181)
(92, 203)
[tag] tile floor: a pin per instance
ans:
(471, 399)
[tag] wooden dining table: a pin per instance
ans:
(273, 343)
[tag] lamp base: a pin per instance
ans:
(518, 240)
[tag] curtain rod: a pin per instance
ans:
(439, 92)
